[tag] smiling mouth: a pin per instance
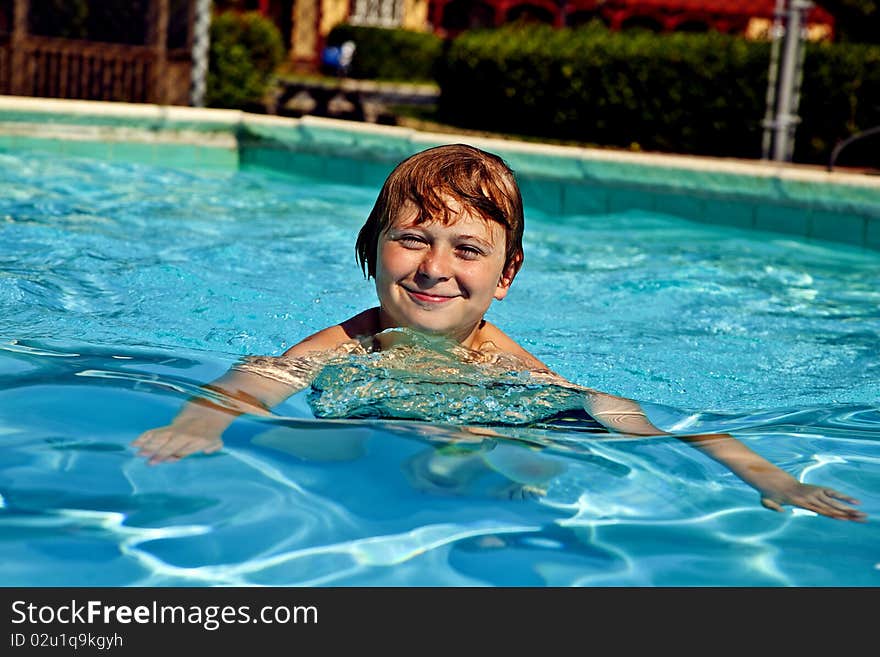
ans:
(422, 297)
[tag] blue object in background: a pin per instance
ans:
(330, 56)
(338, 58)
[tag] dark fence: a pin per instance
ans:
(54, 66)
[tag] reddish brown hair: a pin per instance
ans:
(481, 182)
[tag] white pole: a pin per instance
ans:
(201, 44)
(804, 6)
(786, 117)
(776, 31)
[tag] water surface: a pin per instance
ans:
(123, 288)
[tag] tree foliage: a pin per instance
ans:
(246, 48)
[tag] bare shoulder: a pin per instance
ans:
(332, 337)
(492, 338)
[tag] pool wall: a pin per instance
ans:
(789, 199)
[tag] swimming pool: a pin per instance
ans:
(124, 287)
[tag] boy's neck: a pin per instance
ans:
(466, 338)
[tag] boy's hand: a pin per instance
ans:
(822, 500)
(177, 440)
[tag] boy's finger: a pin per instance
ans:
(772, 504)
(155, 443)
(840, 496)
(162, 451)
(181, 446)
(175, 447)
(837, 511)
(144, 437)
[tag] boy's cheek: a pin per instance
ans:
(392, 257)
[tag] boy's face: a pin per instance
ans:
(441, 279)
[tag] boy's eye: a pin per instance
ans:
(469, 252)
(411, 241)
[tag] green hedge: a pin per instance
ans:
(840, 97)
(246, 48)
(685, 93)
(389, 54)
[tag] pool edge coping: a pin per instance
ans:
(779, 198)
(168, 115)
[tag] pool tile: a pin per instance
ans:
(872, 234)
(94, 149)
(135, 152)
(250, 156)
(373, 174)
(338, 169)
(608, 172)
(281, 134)
(538, 165)
(622, 200)
(584, 199)
(377, 147)
(837, 227)
(181, 156)
(790, 220)
(37, 144)
(217, 159)
(553, 180)
(681, 205)
(544, 195)
(305, 164)
(267, 158)
(352, 142)
(730, 212)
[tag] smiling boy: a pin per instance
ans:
(442, 242)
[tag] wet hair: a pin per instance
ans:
(481, 182)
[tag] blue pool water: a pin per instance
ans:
(123, 288)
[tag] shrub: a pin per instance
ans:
(686, 93)
(246, 48)
(841, 96)
(389, 54)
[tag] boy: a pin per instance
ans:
(443, 241)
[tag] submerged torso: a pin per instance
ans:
(410, 375)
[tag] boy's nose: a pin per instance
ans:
(436, 265)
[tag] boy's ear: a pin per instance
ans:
(507, 276)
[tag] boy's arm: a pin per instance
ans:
(623, 415)
(201, 422)
(776, 486)
(253, 387)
